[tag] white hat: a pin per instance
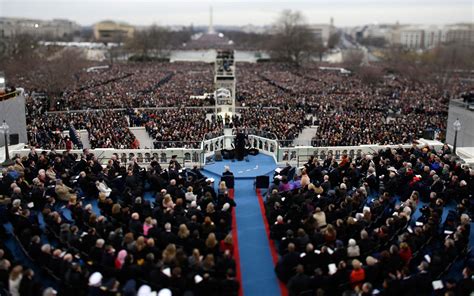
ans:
(165, 292)
(226, 206)
(145, 290)
(95, 279)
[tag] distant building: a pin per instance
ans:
(416, 36)
(412, 38)
(433, 36)
(424, 37)
(322, 32)
(463, 34)
(50, 29)
(110, 31)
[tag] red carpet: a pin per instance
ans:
(236, 246)
(283, 289)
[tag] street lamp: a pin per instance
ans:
(5, 130)
(457, 128)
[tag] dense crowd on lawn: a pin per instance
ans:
(188, 80)
(106, 129)
(283, 124)
(177, 127)
(85, 229)
(127, 85)
(374, 224)
(347, 111)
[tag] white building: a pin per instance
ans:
(433, 36)
(462, 33)
(412, 38)
(323, 31)
(54, 29)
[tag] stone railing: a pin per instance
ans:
(185, 156)
(299, 155)
(189, 157)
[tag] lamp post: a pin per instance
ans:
(5, 130)
(457, 128)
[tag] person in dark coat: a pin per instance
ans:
(423, 280)
(285, 268)
(230, 285)
(299, 283)
(28, 286)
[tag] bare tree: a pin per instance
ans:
(150, 41)
(58, 72)
(293, 40)
(334, 39)
(19, 54)
(435, 66)
(352, 59)
(445, 60)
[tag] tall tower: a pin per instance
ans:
(224, 83)
(211, 25)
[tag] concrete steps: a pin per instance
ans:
(84, 137)
(142, 135)
(305, 137)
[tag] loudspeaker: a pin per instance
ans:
(218, 156)
(429, 134)
(262, 182)
(253, 151)
(14, 139)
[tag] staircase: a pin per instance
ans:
(84, 137)
(305, 137)
(142, 135)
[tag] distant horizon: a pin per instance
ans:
(346, 13)
(228, 25)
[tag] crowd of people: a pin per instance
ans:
(105, 128)
(354, 226)
(346, 110)
(283, 124)
(177, 127)
(84, 229)
(342, 105)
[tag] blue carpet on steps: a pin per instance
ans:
(258, 276)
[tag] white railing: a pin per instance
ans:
(189, 157)
(300, 154)
(186, 156)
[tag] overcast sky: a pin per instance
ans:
(260, 12)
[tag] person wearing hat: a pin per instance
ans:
(174, 164)
(164, 292)
(95, 282)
